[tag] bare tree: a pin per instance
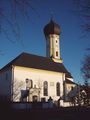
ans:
(17, 87)
(82, 8)
(85, 70)
(11, 11)
(1, 53)
(40, 86)
(11, 14)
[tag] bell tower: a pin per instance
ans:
(52, 35)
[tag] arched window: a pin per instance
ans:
(29, 83)
(58, 89)
(45, 88)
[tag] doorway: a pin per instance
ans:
(35, 98)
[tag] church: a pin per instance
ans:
(33, 78)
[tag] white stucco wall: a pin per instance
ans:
(39, 76)
(5, 83)
(12, 81)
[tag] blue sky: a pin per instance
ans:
(32, 39)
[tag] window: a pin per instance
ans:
(72, 87)
(29, 83)
(56, 53)
(45, 88)
(58, 89)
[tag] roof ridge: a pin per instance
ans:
(37, 62)
(21, 54)
(33, 54)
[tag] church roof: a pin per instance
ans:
(37, 62)
(69, 82)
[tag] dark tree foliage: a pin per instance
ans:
(85, 94)
(82, 97)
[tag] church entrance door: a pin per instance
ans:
(35, 98)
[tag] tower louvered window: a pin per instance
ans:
(56, 53)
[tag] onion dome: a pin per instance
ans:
(52, 28)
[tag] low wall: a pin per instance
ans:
(31, 105)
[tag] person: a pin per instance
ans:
(58, 102)
(50, 100)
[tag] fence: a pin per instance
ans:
(31, 105)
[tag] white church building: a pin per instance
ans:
(30, 78)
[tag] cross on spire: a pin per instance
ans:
(52, 16)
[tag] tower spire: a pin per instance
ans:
(52, 15)
(52, 35)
